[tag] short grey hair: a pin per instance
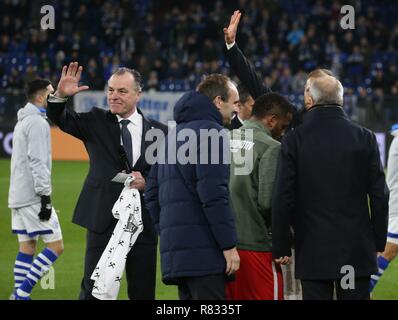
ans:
(136, 75)
(326, 90)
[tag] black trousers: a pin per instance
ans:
(324, 290)
(211, 287)
(140, 266)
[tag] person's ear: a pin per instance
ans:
(308, 99)
(217, 101)
(138, 96)
(308, 102)
(273, 121)
(41, 98)
(268, 121)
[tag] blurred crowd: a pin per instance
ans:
(173, 43)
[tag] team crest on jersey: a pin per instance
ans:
(241, 144)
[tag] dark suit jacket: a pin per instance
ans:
(329, 167)
(246, 72)
(100, 132)
(253, 82)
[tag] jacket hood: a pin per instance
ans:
(29, 110)
(196, 106)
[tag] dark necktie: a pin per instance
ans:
(126, 139)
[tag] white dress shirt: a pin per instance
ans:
(135, 128)
(230, 45)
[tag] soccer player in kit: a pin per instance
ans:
(30, 192)
(391, 249)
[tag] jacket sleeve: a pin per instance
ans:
(212, 188)
(378, 196)
(245, 71)
(284, 199)
(38, 152)
(69, 121)
(151, 196)
(266, 179)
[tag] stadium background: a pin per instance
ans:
(173, 43)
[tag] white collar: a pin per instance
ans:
(135, 118)
(239, 118)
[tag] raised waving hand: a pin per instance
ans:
(230, 32)
(68, 85)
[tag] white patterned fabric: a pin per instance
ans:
(109, 270)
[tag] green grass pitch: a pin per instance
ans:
(67, 178)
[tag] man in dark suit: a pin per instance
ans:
(239, 64)
(246, 71)
(102, 133)
(329, 168)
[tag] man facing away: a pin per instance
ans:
(189, 202)
(30, 192)
(328, 178)
(258, 278)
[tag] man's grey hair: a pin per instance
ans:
(137, 77)
(326, 90)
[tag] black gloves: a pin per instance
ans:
(46, 207)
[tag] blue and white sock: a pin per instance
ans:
(39, 267)
(22, 265)
(382, 264)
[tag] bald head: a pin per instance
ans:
(322, 87)
(326, 90)
(317, 73)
